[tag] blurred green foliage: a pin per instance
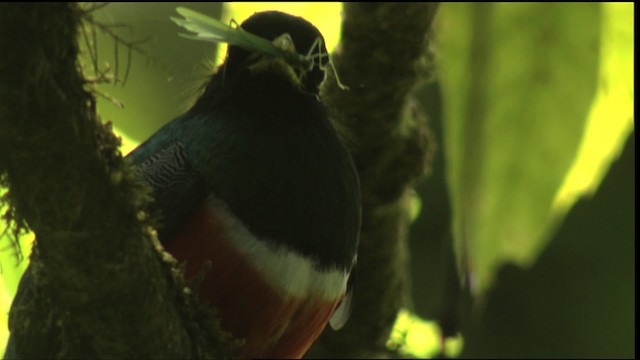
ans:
(578, 300)
(519, 84)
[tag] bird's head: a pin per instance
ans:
(267, 42)
(302, 54)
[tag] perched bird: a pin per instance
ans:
(255, 181)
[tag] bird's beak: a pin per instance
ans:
(278, 65)
(285, 43)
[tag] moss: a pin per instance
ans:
(99, 287)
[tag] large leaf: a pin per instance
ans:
(578, 300)
(518, 83)
(611, 117)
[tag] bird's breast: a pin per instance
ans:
(275, 299)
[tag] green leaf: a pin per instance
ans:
(611, 117)
(518, 81)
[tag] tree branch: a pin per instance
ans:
(382, 46)
(99, 285)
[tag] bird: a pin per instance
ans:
(256, 180)
(258, 194)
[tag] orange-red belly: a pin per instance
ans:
(273, 323)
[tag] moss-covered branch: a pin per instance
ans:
(98, 286)
(382, 48)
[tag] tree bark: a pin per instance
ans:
(381, 58)
(99, 285)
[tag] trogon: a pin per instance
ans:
(255, 182)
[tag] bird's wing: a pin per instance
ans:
(178, 190)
